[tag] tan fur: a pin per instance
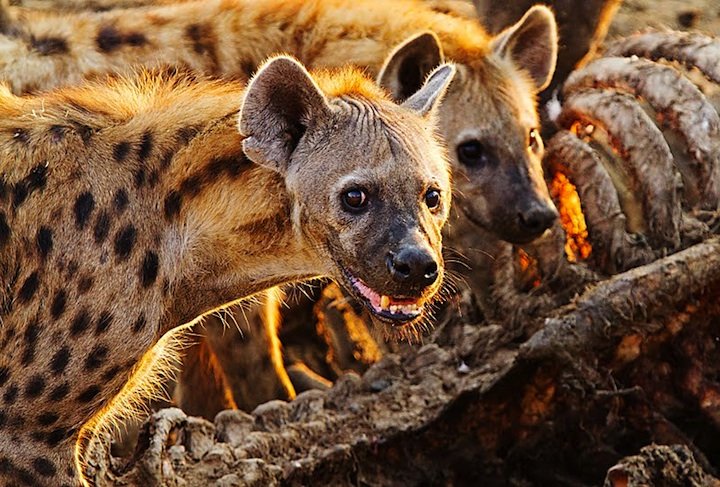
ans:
(129, 208)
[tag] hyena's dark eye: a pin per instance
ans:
(354, 199)
(474, 154)
(534, 141)
(432, 199)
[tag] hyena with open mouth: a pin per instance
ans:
(130, 208)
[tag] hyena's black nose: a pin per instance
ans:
(414, 266)
(537, 218)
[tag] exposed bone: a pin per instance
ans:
(603, 312)
(689, 48)
(614, 249)
(681, 104)
(645, 151)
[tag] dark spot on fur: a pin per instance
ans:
(109, 39)
(27, 291)
(30, 336)
(135, 39)
(47, 418)
(44, 467)
(20, 194)
(121, 200)
(57, 308)
(55, 436)
(10, 394)
(85, 284)
(191, 186)
(4, 375)
(204, 42)
(4, 230)
(121, 151)
(35, 386)
(28, 355)
(44, 241)
(37, 179)
(104, 322)
(186, 134)
(57, 133)
(32, 333)
(60, 360)
(89, 394)
(102, 227)
(173, 202)
(72, 268)
(149, 270)
(166, 160)
(231, 166)
(139, 324)
(96, 357)
(154, 178)
(146, 146)
(139, 177)
(80, 323)
(111, 373)
(124, 241)
(84, 131)
(84, 205)
(47, 46)
(60, 392)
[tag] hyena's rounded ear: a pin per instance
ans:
(409, 64)
(279, 104)
(531, 45)
(429, 96)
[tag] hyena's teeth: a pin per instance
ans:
(384, 301)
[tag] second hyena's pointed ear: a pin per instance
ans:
(531, 44)
(429, 96)
(280, 103)
(409, 64)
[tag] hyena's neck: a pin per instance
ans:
(227, 38)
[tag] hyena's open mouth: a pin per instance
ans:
(394, 310)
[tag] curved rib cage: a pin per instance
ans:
(640, 142)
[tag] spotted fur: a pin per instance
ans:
(95, 268)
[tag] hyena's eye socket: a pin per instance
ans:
(474, 154)
(432, 199)
(354, 200)
(535, 143)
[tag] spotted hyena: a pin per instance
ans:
(132, 207)
(488, 119)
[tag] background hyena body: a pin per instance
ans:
(130, 208)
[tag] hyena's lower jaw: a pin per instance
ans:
(392, 310)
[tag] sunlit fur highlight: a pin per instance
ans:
(147, 382)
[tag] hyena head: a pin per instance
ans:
(368, 180)
(490, 123)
